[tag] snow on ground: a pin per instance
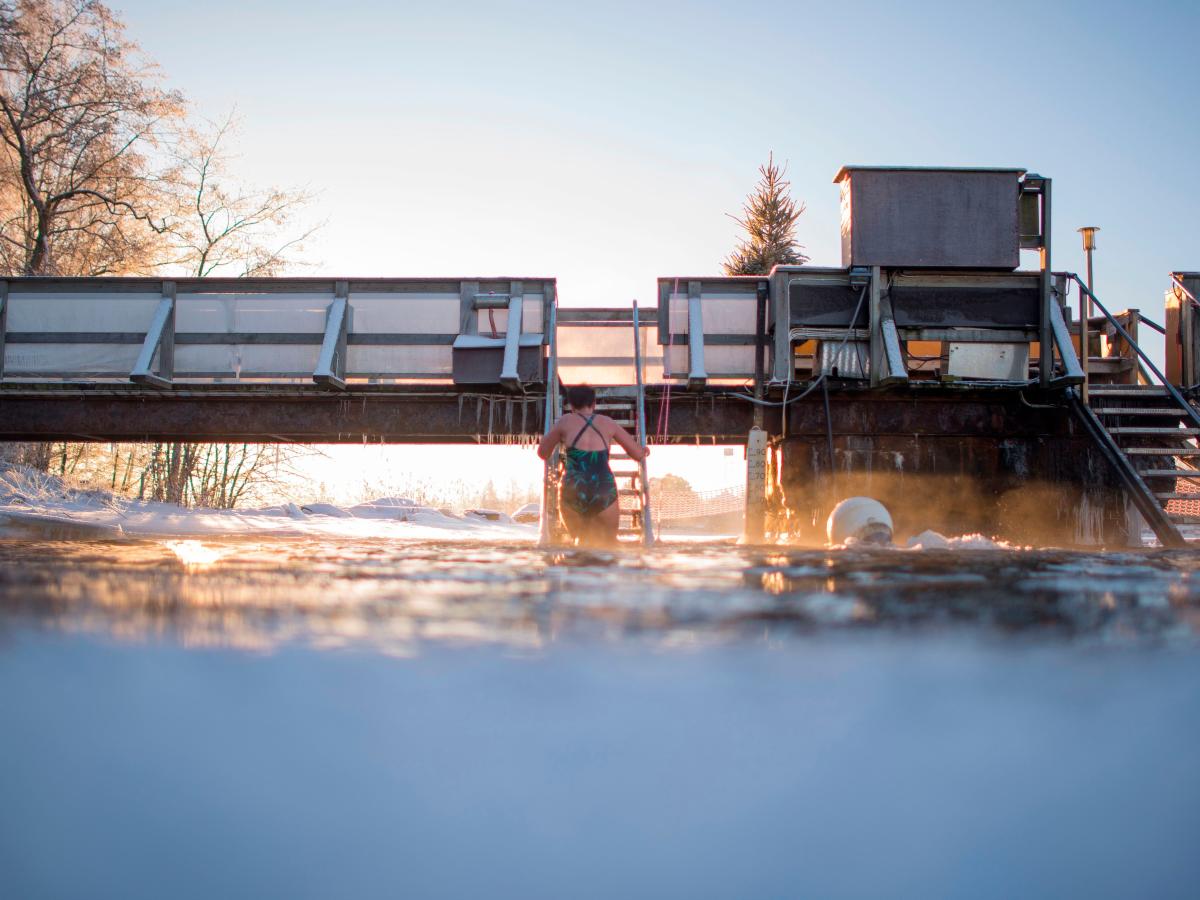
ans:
(36, 505)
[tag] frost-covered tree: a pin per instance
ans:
(81, 118)
(769, 218)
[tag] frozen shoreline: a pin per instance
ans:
(40, 506)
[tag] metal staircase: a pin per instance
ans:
(1151, 441)
(1149, 433)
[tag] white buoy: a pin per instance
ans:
(859, 520)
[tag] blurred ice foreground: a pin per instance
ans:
(320, 717)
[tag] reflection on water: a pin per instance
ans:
(395, 596)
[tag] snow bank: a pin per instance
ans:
(38, 506)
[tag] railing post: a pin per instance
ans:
(331, 365)
(644, 483)
(697, 375)
(3, 321)
(1045, 334)
(166, 346)
(510, 378)
(1085, 338)
(160, 339)
(549, 520)
(875, 345)
(756, 486)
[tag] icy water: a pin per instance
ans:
(327, 718)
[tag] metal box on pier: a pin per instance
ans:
(930, 218)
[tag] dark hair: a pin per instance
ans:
(580, 396)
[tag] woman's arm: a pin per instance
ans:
(550, 440)
(632, 447)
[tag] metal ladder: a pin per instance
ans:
(633, 487)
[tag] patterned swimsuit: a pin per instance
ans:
(588, 486)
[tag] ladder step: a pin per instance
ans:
(628, 492)
(1181, 519)
(1139, 430)
(1190, 474)
(1139, 411)
(1161, 451)
(1176, 495)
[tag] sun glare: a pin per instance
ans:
(194, 554)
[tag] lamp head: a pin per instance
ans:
(1089, 236)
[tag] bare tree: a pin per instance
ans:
(81, 116)
(769, 218)
(219, 226)
(222, 227)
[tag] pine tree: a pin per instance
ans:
(769, 218)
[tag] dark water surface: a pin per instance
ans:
(315, 718)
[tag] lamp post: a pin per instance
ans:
(1085, 305)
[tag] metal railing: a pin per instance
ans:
(643, 481)
(163, 333)
(549, 519)
(1146, 361)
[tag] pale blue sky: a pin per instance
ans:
(603, 143)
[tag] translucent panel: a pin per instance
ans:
(531, 317)
(70, 359)
(531, 313)
(721, 313)
(604, 355)
(259, 313)
(81, 312)
(395, 361)
(729, 360)
(393, 313)
(675, 362)
(737, 361)
(245, 360)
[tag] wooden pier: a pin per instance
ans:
(929, 370)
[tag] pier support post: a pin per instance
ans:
(756, 486)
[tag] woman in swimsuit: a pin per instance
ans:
(589, 493)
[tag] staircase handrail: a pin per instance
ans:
(1125, 335)
(1179, 286)
(644, 482)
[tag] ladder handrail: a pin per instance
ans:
(1171, 389)
(644, 483)
(546, 526)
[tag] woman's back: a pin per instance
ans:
(592, 433)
